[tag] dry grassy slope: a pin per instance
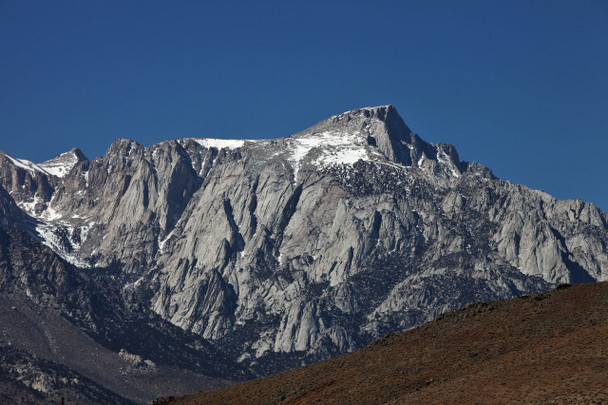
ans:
(547, 348)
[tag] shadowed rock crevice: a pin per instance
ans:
(253, 204)
(237, 244)
(374, 233)
(286, 215)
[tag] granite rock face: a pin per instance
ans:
(294, 249)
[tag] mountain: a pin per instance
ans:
(286, 251)
(541, 349)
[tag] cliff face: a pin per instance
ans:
(299, 248)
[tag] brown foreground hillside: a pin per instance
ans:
(550, 348)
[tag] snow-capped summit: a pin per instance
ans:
(61, 164)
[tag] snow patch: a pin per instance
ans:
(27, 165)
(61, 165)
(29, 207)
(444, 159)
(50, 214)
(334, 148)
(161, 243)
(220, 143)
(50, 235)
(62, 237)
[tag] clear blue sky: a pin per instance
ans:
(520, 86)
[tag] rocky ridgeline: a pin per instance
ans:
(295, 249)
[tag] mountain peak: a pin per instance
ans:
(78, 153)
(380, 127)
(376, 134)
(382, 112)
(61, 164)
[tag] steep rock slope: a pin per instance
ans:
(542, 349)
(299, 248)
